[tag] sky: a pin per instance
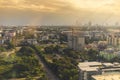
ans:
(59, 12)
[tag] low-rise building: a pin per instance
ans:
(93, 70)
(111, 76)
(2, 41)
(31, 41)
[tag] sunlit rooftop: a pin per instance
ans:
(114, 76)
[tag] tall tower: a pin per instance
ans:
(76, 40)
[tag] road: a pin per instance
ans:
(49, 74)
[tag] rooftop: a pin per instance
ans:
(94, 66)
(89, 66)
(114, 76)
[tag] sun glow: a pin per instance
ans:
(55, 5)
(90, 3)
(95, 10)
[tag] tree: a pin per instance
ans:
(63, 38)
(2, 49)
(26, 51)
(49, 49)
(92, 54)
(10, 45)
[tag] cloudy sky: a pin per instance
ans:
(59, 12)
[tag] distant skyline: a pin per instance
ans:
(59, 12)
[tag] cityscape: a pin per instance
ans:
(59, 40)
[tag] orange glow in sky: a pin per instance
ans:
(95, 10)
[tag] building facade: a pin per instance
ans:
(76, 42)
(113, 39)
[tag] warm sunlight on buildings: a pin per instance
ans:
(107, 77)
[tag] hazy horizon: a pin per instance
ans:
(59, 12)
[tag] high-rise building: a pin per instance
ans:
(76, 42)
(113, 39)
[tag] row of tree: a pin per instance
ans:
(62, 66)
(25, 65)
